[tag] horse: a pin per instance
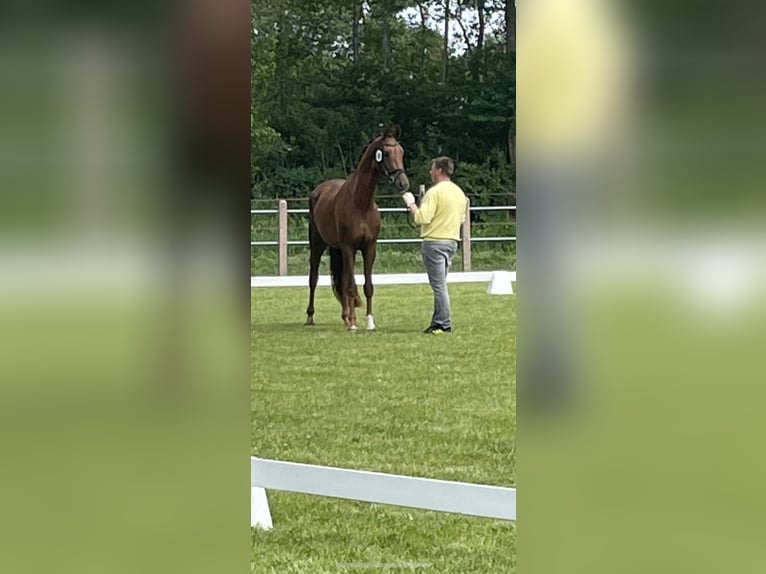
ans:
(344, 218)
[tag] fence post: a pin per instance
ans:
(467, 236)
(282, 237)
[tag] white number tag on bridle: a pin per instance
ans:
(378, 156)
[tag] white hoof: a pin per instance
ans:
(370, 323)
(353, 329)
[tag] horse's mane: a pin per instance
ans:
(364, 151)
(361, 155)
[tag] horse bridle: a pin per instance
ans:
(392, 175)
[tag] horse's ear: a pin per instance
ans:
(393, 131)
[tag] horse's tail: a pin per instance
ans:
(336, 274)
(336, 270)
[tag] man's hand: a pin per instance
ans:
(408, 198)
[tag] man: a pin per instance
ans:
(440, 215)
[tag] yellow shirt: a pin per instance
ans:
(442, 212)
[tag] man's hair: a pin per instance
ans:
(445, 164)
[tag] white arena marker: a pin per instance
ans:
(501, 283)
(376, 487)
(260, 515)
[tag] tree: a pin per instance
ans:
(326, 77)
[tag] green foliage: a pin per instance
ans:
(286, 183)
(314, 107)
(492, 182)
(267, 149)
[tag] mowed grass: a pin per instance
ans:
(394, 401)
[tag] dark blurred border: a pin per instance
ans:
(124, 298)
(642, 292)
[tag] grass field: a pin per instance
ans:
(396, 258)
(394, 401)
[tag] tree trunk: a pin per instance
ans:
(386, 41)
(482, 11)
(471, 56)
(510, 49)
(512, 143)
(355, 32)
(342, 159)
(423, 36)
(382, 11)
(445, 49)
(510, 26)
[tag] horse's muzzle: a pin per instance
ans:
(402, 182)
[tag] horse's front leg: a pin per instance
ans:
(368, 254)
(349, 289)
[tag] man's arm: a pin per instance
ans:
(425, 213)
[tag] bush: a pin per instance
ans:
(288, 183)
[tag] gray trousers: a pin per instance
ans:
(437, 258)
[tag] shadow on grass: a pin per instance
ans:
(294, 327)
(329, 329)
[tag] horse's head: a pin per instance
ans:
(389, 158)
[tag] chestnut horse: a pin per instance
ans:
(344, 218)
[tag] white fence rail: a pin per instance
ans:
(500, 280)
(282, 242)
(376, 487)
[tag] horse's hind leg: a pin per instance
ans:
(349, 291)
(317, 249)
(368, 255)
